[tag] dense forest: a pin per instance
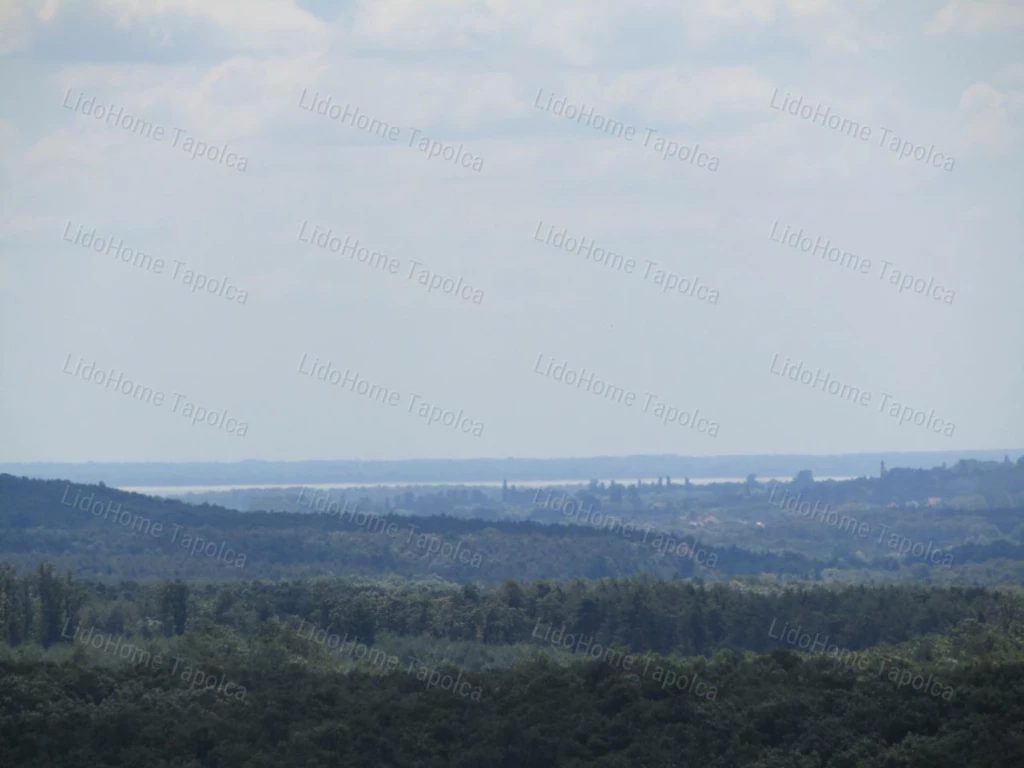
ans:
(874, 622)
(642, 672)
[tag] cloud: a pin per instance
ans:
(19, 21)
(703, 95)
(581, 32)
(975, 18)
(572, 30)
(827, 27)
(988, 121)
(468, 72)
(244, 25)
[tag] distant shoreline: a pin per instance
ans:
(486, 472)
(175, 490)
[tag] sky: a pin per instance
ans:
(393, 229)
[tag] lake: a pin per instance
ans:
(179, 490)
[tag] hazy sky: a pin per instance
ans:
(214, 163)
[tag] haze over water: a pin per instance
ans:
(178, 490)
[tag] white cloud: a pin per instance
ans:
(827, 27)
(987, 113)
(975, 17)
(580, 32)
(468, 72)
(247, 25)
(712, 93)
(572, 30)
(19, 20)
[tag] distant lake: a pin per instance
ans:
(180, 490)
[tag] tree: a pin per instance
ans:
(751, 483)
(512, 594)
(51, 603)
(362, 620)
(588, 616)
(15, 613)
(174, 607)
(804, 479)
(615, 493)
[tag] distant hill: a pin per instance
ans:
(662, 531)
(98, 531)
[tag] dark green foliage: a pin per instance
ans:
(304, 656)
(538, 715)
(678, 617)
(294, 700)
(174, 607)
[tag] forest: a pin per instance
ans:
(643, 671)
(873, 622)
(861, 531)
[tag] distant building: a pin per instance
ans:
(934, 501)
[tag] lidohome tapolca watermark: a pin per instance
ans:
(663, 544)
(114, 115)
(665, 147)
(358, 385)
(342, 646)
(665, 279)
(435, 678)
(902, 545)
(819, 646)
(137, 523)
(661, 410)
(198, 414)
(418, 273)
(192, 279)
(428, 544)
(359, 651)
(900, 280)
(356, 118)
(854, 129)
(667, 676)
(136, 655)
(902, 413)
